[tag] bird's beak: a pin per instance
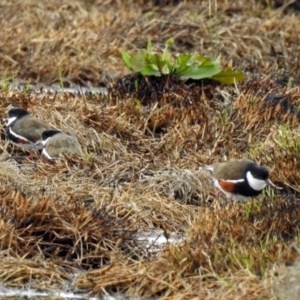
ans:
(269, 182)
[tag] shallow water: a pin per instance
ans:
(15, 293)
(153, 240)
(21, 85)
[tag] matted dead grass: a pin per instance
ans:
(75, 224)
(85, 213)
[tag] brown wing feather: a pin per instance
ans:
(62, 144)
(22, 141)
(227, 186)
(31, 128)
(231, 170)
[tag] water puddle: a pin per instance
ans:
(153, 240)
(20, 85)
(14, 293)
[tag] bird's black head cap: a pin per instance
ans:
(49, 133)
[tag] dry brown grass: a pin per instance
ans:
(74, 224)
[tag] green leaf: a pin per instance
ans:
(195, 66)
(150, 70)
(229, 76)
(161, 64)
(167, 54)
(138, 60)
(149, 45)
(127, 60)
(195, 72)
(181, 63)
(217, 60)
(169, 42)
(135, 62)
(185, 66)
(202, 60)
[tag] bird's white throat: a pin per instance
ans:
(256, 184)
(10, 120)
(44, 142)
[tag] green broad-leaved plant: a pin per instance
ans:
(185, 66)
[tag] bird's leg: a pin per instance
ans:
(31, 155)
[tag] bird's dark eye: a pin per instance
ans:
(264, 174)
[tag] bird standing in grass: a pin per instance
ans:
(56, 144)
(24, 130)
(240, 179)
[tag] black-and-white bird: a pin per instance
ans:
(240, 179)
(24, 130)
(57, 144)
